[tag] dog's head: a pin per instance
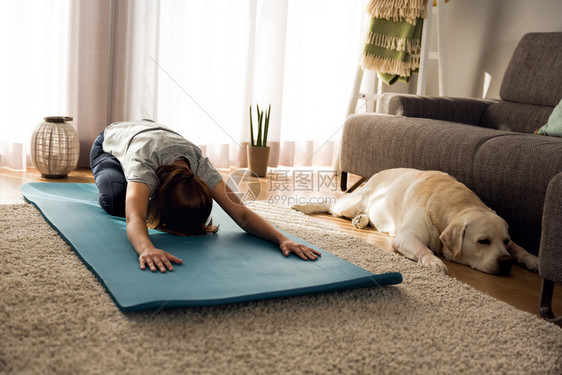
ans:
(478, 239)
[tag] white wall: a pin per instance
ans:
(481, 37)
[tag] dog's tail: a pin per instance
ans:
(310, 208)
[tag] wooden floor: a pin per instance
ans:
(287, 186)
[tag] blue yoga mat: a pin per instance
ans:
(227, 267)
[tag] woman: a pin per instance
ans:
(140, 162)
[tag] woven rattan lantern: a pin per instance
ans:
(55, 147)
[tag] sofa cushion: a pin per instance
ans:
(522, 118)
(534, 74)
(511, 174)
(374, 142)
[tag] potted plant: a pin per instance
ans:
(258, 150)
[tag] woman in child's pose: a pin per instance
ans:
(135, 162)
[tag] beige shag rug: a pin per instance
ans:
(56, 318)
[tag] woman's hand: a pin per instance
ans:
(136, 208)
(157, 259)
(302, 251)
(256, 225)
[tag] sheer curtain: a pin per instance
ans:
(33, 71)
(323, 44)
(218, 57)
(194, 65)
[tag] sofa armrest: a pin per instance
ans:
(464, 110)
(550, 252)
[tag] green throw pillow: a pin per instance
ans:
(554, 125)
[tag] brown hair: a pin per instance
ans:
(182, 203)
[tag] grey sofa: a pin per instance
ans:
(488, 145)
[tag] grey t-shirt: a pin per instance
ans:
(143, 146)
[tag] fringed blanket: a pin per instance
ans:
(393, 42)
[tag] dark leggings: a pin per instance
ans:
(110, 179)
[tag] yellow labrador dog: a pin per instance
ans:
(431, 212)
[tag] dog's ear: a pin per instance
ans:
(452, 237)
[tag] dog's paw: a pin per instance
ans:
(310, 208)
(433, 262)
(306, 208)
(360, 221)
(300, 207)
(531, 262)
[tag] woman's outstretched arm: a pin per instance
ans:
(136, 208)
(256, 225)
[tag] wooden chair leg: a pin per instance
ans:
(545, 307)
